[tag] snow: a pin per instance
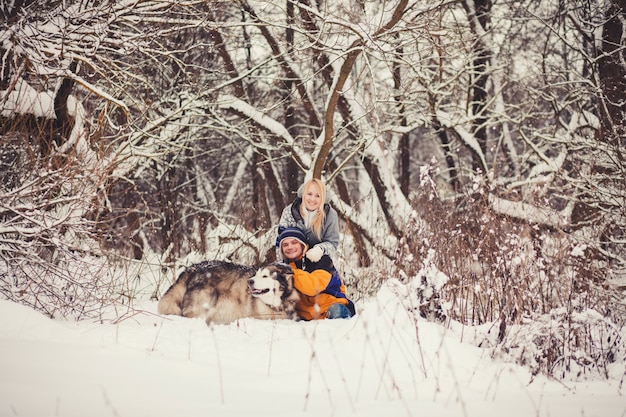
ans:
(382, 362)
(24, 99)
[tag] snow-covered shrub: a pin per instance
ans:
(487, 260)
(565, 344)
(50, 257)
(424, 294)
(538, 288)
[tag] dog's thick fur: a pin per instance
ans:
(222, 292)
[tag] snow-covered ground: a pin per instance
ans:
(379, 363)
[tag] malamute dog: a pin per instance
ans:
(222, 292)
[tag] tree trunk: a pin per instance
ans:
(479, 14)
(612, 72)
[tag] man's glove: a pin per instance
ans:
(315, 253)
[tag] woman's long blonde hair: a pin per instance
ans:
(318, 220)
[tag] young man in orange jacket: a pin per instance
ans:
(322, 293)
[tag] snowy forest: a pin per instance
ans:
(473, 147)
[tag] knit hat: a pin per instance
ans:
(291, 232)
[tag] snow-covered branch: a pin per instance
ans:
(532, 214)
(262, 120)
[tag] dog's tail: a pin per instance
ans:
(171, 302)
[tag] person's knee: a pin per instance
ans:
(338, 311)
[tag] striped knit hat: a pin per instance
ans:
(291, 232)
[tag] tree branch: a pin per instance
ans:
(354, 51)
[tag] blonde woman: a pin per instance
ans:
(316, 218)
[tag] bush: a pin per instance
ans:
(547, 304)
(50, 256)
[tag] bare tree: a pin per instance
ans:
(73, 139)
(187, 127)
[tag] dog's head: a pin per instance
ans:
(272, 284)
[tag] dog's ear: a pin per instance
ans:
(285, 277)
(282, 268)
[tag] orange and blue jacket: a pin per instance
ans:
(320, 286)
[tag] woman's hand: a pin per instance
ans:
(315, 253)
